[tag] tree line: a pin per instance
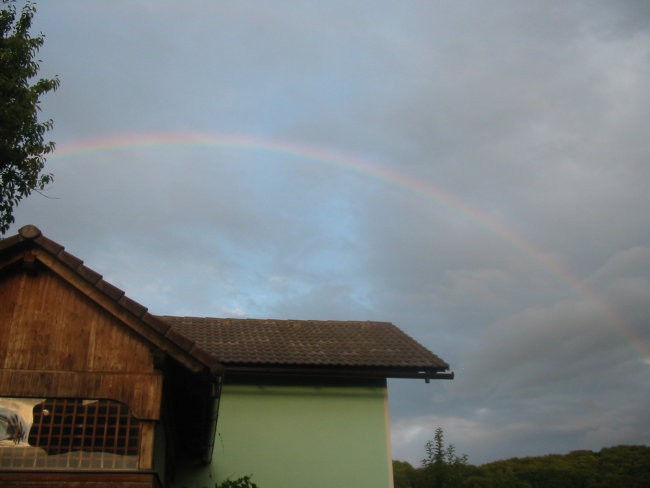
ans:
(611, 467)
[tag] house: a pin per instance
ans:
(95, 391)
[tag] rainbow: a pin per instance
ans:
(348, 162)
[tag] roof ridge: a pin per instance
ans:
(269, 319)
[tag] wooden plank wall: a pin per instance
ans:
(56, 342)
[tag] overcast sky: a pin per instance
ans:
(477, 173)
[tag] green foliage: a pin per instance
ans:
(404, 475)
(622, 466)
(243, 482)
(22, 147)
(614, 467)
(441, 468)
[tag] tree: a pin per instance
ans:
(22, 146)
(442, 468)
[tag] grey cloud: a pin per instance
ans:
(530, 114)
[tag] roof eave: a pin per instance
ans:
(426, 373)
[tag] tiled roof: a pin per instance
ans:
(306, 343)
(276, 344)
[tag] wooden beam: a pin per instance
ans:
(78, 479)
(146, 445)
(141, 392)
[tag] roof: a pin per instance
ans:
(255, 344)
(30, 248)
(369, 349)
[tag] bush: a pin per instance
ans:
(243, 482)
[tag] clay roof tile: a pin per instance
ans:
(306, 342)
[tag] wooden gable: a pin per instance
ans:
(67, 332)
(60, 343)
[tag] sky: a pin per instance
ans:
(477, 173)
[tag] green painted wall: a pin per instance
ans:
(299, 436)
